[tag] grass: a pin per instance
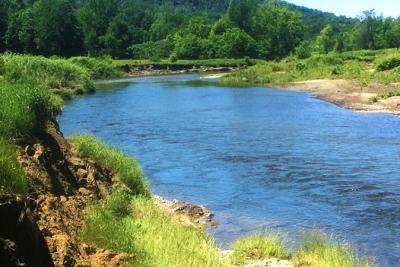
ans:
(123, 166)
(24, 109)
(317, 249)
(136, 226)
(258, 247)
(13, 179)
(208, 62)
(98, 68)
(54, 73)
(356, 65)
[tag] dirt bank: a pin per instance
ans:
(161, 69)
(349, 94)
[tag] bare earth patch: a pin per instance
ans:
(349, 94)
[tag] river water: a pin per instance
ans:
(260, 159)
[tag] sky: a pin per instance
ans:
(353, 8)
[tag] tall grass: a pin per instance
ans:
(136, 226)
(98, 68)
(24, 109)
(13, 179)
(316, 249)
(55, 73)
(258, 247)
(123, 166)
(356, 65)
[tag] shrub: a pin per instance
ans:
(12, 178)
(258, 247)
(388, 64)
(123, 166)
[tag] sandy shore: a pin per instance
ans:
(349, 94)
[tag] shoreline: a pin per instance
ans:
(349, 94)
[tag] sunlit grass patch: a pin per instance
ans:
(317, 249)
(54, 73)
(136, 226)
(123, 166)
(258, 247)
(13, 179)
(24, 109)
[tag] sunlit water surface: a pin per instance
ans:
(260, 159)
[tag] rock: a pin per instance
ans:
(84, 191)
(273, 262)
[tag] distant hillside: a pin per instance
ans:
(315, 20)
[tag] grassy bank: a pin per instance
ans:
(199, 62)
(127, 221)
(366, 66)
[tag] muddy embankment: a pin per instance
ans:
(43, 229)
(158, 69)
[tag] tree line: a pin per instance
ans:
(185, 29)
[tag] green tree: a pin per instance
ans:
(94, 17)
(277, 29)
(326, 40)
(117, 38)
(55, 28)
(241, 13)
(234, 43)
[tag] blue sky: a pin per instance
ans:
(353, 8)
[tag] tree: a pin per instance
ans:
(326, 40)
(241, 13)
(55, 28)
(94, 17)
(339, 45)
(117, 37)
(277, 29)
(234, 43)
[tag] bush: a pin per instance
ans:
(123, 166)
(12, 178)
(388, 64)
(24, 109)
(258, 247)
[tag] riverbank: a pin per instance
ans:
(349, 94)
(366, 81)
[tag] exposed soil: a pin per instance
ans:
(160, 69)
(43, 230)
(349, 94)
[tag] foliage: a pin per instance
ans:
(355, 65)
(128, 224)
(98, 68)
(258, 247)
(123, 166)
(316, 249)
(388, 63)
(13, 179)
(186, 29)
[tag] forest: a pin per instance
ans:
(186, 29)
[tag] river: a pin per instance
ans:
(260, 159)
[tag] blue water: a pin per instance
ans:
(260, 159)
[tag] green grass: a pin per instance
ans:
(54, 73)
(13, 179)
(318, 250)
(123, 166)
(258, 247)
(356, 65)
(136, 226)
(24, 109)
(207, 62)
(98, 68)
